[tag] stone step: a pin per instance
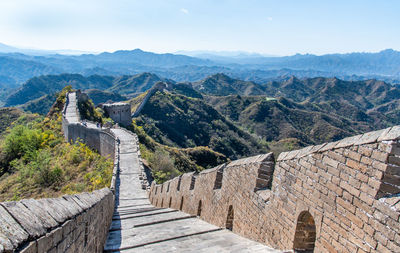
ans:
(135, 237)
(143, 220)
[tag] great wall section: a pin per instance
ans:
(335, 197)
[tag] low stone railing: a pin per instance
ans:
(72, 223)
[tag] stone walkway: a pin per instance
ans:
(138, 226)
(71, 110)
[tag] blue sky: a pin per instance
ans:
(279, 27)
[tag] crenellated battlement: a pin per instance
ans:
(338, 197)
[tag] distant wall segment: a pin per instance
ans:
(342, 196)
(72, 223)
(119, 112)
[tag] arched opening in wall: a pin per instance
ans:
(156, 202)
(170, 202)
(304, 237)
(181, 206)
(162, 202)
(199, 209)
(229, 219)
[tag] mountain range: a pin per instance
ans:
(18, 66)
(231, 116)
(243, 122)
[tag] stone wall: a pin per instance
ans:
(119, 112)
(342, 196)
(157, 87)
(101, 140)
(73, 223)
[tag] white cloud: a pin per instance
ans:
(269, 18)
(185, 11)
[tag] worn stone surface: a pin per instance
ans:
(28, 220)
(11, 233)
(36, 207)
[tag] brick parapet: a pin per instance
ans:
(71, 223)
(350, 188)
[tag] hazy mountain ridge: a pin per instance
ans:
(362, 94)
(384, 65)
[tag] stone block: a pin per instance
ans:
(349, 141)
(36, 207)
(380, 156)
(28, 220)
(45, 243)
(11, 233)
(57, 236)
(282, 156)
(370, 137)
(30, 248)
(72, 202)
(58, 212)
(291, 154)
(328, 146)
(390, 134)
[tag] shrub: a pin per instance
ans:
(21, 142)
(163, 166)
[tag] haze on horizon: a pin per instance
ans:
(263, 26)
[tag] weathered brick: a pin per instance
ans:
(365, 151)
(346, 205)
(353, 155)
(394, 160)
(330, 162)
(380, 156)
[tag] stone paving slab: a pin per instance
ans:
(152, 218)
(217, 241)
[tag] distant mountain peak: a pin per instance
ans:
(220, 76)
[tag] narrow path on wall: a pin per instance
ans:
(71, 110)
(138, 226)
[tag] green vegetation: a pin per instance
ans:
(276, 120)
(8, 116)
(167, 162)
(99, 96)
(223, 85)
(87, 110)
(179, 121)
(40, 105)
(35, 161)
